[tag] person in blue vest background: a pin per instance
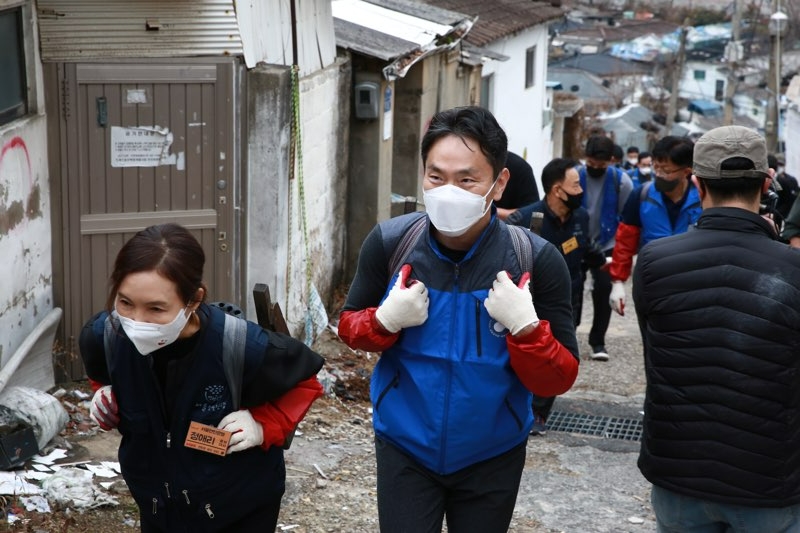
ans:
(667, 205)
(202, 438)
(605, 190)
(641, 172)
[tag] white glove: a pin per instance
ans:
(511, 305)
(246, 431)
(404, 306)
(104, 410)
(617, 298)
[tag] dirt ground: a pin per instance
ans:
(571, 483)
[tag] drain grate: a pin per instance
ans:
(608, 427)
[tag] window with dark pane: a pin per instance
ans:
(530, 67)
(13, 89)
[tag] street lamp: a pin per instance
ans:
(778, 22)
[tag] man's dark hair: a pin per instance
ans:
(600, 147)
(632, 150)
(728, 189)
(555, 171)
(618, 153)
(679, 150)
(469, 122)
(644, 155)
(772, 161)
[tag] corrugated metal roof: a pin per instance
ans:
(72, 30)
(500, 18)
(390, 33)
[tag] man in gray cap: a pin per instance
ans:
(719, 310)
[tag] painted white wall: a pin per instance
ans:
(519, 110)
(705, 89)
(26, 290)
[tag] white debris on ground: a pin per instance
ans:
(48, 478)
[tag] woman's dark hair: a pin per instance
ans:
(170, 250)
(555, 171)
(470, 122)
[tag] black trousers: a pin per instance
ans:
(413, 499)
(601, 291)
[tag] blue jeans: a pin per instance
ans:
(676, 513)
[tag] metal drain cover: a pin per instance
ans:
(608, 427)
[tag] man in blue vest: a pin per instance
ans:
(605, 190)
(641, 171)
(666, 206)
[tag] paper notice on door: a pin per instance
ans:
(141, 147)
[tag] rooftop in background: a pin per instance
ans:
(500, 18)
(602, 65)
(402, 32)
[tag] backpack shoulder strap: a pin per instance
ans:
(522, 248)
(406, 244)
(644, 191)
(234, 338)
(108, 335)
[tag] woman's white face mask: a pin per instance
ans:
(453, 210)
(148, 337)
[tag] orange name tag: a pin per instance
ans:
(207, 438)
(569, 245)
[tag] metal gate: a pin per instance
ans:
(142, 144)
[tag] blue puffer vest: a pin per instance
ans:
(445, 392)
(655, 219)
(186, 489)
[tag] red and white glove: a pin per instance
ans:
(511, 305)
(617, 298)
(104, 410)
(246, 431)
(405, 306)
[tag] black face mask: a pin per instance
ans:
(595, 172)
(573, 201)
(664, 185)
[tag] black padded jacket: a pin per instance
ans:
(719, 309)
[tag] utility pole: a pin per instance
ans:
(733, 53)
(677, 75)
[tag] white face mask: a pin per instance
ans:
(645, 171)
(149, 337)
(453, 210)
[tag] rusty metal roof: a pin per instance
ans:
(500, 18)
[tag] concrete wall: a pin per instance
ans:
(519, 110)
(435, 84)
(275, 243)
(370, 165)
(26, 290)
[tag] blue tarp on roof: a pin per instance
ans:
(706, 108)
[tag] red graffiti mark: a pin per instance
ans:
(17, 212)
(16, 142)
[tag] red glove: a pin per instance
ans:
(104, 410)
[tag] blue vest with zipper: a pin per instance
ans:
(445, 392)
(655, 219)
(186, 489)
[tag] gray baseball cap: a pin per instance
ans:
(725, 142)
